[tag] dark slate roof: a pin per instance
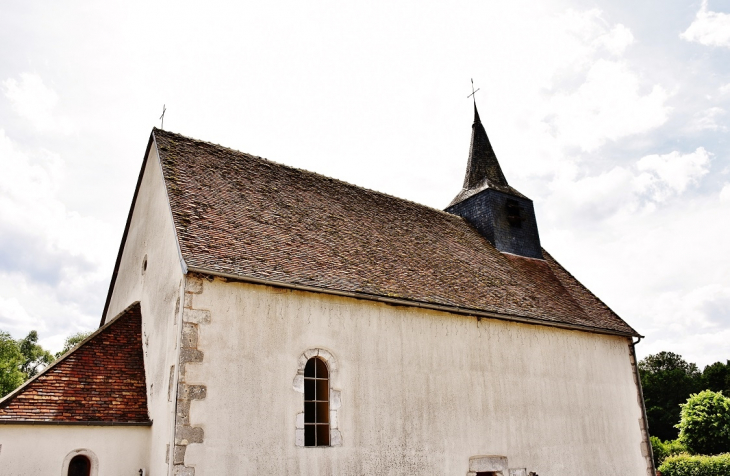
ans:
(482, 169)
(241, 215)
(100, 381)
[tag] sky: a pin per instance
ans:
(612, 116)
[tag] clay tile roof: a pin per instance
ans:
(101, 381)
(245, 216)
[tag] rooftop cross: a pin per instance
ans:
(473, 92)
(162, 117)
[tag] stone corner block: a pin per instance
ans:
(298, 383)
(198, 316)
(335, 438)
(335, 399)
(299, 438)
(486, 463)
(302, 362)
(179, 454)
(300, 421)
(326, 356)
(194, 285)
(181, 470)
(333, 419)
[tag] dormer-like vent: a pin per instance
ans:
(500, 213)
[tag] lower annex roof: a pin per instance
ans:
(102, 381)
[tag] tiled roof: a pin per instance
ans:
(101, 381)
(245, 216)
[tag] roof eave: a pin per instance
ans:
(413, 303)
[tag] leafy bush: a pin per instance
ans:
(686, 465)
(664, 449)
(705, 424)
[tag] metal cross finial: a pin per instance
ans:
(162, 117)
(473, 92)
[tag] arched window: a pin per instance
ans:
(80, 462)
(316, 403)
(79, 466)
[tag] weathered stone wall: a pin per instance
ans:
(421, 391)
(185, 433)
(40, 450)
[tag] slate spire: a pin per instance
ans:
(483, 162)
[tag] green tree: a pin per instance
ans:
(705, 424)
(10, 361)
(72, 341)
(667, 380)
(716, 377)
(35, 357)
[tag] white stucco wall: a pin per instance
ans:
(158, 289)
(40, 450)
(422, 391)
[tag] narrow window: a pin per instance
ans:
(316, 403)
(514, 213)
(79, 466)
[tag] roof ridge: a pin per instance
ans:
(310, 172)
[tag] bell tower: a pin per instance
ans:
(500, 213)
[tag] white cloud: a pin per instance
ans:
(624, 193)
(652, 262)
(725, 193)
(709, 28)
(616, 40)
(707, 119)
(51, 258)
(34, 101)
(671, 174)
(607, 106)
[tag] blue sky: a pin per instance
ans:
(612, 116)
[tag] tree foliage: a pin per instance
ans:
(10, 361)
(716, 377)
(705, 424)
(35, 357)
(20, 360)
(667, 380)
(72, 341)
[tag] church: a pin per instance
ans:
(265, 320)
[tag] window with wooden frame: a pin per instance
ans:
(316, 403)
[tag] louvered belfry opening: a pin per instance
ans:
(316, 403)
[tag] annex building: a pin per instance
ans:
(267, 320)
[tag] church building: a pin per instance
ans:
(266, 320)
